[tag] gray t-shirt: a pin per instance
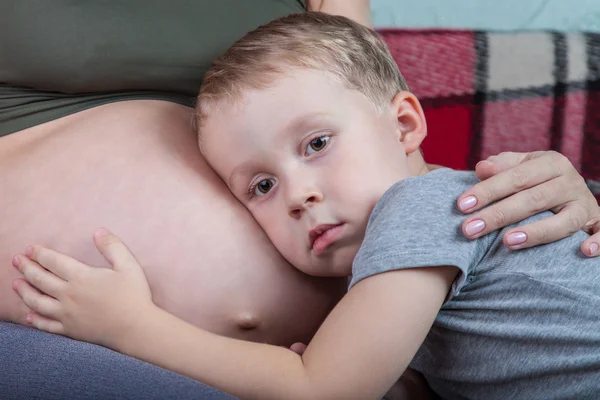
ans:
(517, 324)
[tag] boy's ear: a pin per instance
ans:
(412, 128)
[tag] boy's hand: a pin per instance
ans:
(70, 298)
(525, 184)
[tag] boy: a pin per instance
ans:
(313, 129)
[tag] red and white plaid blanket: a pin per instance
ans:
(487, 92)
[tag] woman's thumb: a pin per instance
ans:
(498, 163)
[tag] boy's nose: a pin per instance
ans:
(299, 203)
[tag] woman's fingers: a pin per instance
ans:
(519, 185)
(591, 246)
(504, 161)
(59, 264)
(543, 231)
(525, 204)
(39, 277)
(511, 173)
(37, 301)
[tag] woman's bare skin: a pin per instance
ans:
(241, 287)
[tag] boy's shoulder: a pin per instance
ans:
(416, 223)
(437, 188)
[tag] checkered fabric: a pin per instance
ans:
(487, 92)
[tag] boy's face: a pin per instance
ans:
(309, 158)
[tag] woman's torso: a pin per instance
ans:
(134, 167)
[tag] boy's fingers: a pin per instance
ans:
(39, 277)
(34, 299)
(59, 264)
(45, 324)
(113, 249)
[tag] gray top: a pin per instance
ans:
(517, 324)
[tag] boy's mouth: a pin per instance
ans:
(323, 236)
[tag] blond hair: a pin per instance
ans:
(349, 51)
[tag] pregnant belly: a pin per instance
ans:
(134, 168)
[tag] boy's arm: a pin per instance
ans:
(411, 385)
(358, 353)
(358, 10)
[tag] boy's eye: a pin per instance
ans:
(317, 144)
(264, 186)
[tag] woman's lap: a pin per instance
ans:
(38, 365)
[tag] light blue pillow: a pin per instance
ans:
(559, 15)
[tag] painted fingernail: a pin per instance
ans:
(593, 248)
(15, 284)
(29, 251)
(101, 232)
(29, 319)
(467, 203)
(516, 238)
(474, 227)
(15, 262)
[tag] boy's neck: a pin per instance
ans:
(417, 164)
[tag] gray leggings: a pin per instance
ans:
(37, 365)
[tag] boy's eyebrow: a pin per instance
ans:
(295, 125)
(304, 121)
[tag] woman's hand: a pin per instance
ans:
(525, 184)
(86, 303)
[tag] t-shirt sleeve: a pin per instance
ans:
(417, 224)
